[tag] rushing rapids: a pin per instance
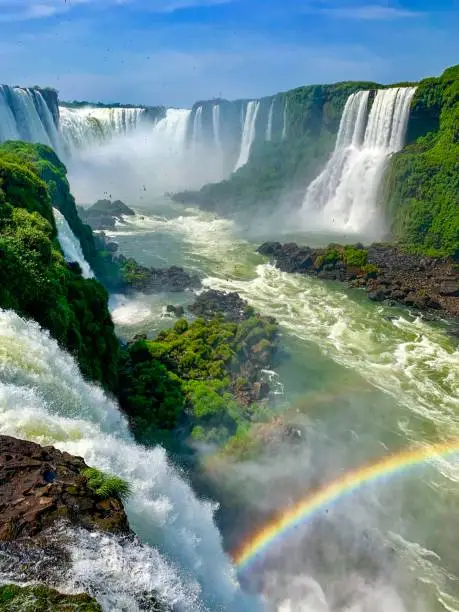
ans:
(43, 398)
(367, 382)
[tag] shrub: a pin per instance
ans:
(106, 485)
(355, 257)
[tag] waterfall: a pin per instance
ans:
(349, 139)
(248, 133)
(8, 127)
(269, 127)
(70, 244)
(284, 127)
(81, 127)
(43, 398)
(197, 128)
(216, 127)
(25, 115)
(346, 192)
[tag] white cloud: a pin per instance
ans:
(24, 10)
(369, 12)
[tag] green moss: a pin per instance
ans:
(355, 257)
(188, 374)
(106, 485)
(43, 599)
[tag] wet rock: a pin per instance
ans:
(178, 311)
(450, 288)
(39, 485)
(387, 273)
(377, 296)
(104, 214)
(213, 303)
(40, 598)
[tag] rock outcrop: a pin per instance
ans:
(43, 599)
(387, 273)
(39, 485)
(104, 214)
(45, 499)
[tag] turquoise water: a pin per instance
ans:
(361, 380)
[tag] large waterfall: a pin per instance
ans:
(81, 127)
(25, 115)
(70, 244)
(170, 149)
(344, 196)
(248, 133)
(44, 398)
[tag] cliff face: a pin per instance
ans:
(421, 187)
(304, 123)
(51, 98)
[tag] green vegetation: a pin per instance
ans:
(284, 167)
(42, 161)
(36, 281)
(106, 485)
(192, 375)
(421, 188)
(355, 257)
(43, 599)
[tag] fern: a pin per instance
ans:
(106, 485)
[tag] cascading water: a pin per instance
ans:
(216, 127)
(81, 127)
(8, 127)
(269, 127)
(284, 128)
(44, 398)
(70, 244)
(345, 193)
(25, 115)
(197, 128)
(248, 133)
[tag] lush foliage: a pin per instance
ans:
(41, 598)
(36, 281)
(191, 375)
(422, 185)
(106, 485)
(42, 160)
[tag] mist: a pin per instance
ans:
(140, 166)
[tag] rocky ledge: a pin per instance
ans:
(43, 490)
(387, 273)
(39, 485)
(104, 214)
(130, 276)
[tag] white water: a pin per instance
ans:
(70, 244)
(216, 128)
(197, 128)
(25, 115)
(248, 133)
(284, 128)
(81, 127)
(269, 127)
(345, 194)
(43, 398)
(8, 127)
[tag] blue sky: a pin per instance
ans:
(174, 52)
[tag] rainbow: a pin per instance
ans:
(304, 510)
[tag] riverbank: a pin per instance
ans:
(388, 274)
